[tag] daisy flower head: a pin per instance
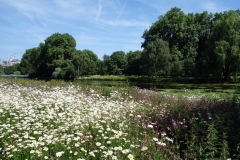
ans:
(130, 156)
(98, 144)
(144, 148)
(125, 151)
(59, 154)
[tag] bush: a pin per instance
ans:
(17, 73)
(56, 72)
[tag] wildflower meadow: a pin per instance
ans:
(62, 120)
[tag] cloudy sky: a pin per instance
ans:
(103, 26)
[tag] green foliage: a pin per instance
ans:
(17, 73)
(67, 70)
(223, 51)
(11, 69)
(176, 62)
(202, 45)
(56, 72)
(1, 69)
(105, 65)
(86, 63)
(200, 129)
(30, 61)
(155, 58)
(238, 11)
(106, 92)
(8, 70)
(133, 63)
(58, 52)
(117, 63)
(181, 32)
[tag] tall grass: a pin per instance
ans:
(200, 128)
(59, 120)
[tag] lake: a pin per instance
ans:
(173, 86)
(156, 85)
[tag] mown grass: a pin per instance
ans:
(62, 120)
(105, 78)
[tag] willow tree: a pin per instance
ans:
(223, 53)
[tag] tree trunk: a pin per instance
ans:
(226, 76)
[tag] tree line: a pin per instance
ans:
(202, 45)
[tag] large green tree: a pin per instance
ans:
(117, 63)
(58, 52)
(105, 65)
(156, 58)
(181, 32)
(203, 23)
(177, 62)
(223, 52)
(30, 61)
(133, 63)
(189, 44)
(86, 62)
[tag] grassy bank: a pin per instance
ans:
(105, 78)
(60, 120)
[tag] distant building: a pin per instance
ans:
(15, 61)
(10, 62)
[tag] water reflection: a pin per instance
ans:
(160, 86)
(14, 76)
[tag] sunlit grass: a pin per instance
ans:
(59, 120)
(105, 77)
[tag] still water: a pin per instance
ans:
(160, 86)
(14, 76)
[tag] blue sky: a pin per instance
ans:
(103, 26)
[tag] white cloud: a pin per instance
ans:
(126, 23)
(99, 9)
(161, 6)
(30, 9)
(122, 9)
(63, 4)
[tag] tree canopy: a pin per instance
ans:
(223, 46)
(203, 45)
(1, 69)
(58, 52)
(133, 63)
(200, 44)
(30, 61)
(156, 57)
(86, 62)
